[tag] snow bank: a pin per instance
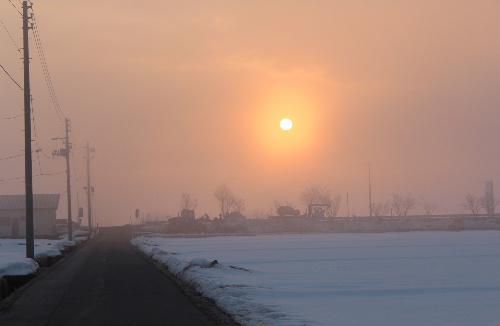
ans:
(13, 251)
(13, 265)
(419, 278)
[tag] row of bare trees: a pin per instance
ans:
(399, 205)
(228, 202)
(478, 204)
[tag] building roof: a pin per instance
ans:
(18, 202)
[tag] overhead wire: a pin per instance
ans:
(13, 117)
(52, 95)
(10, 77)
(22, 178)
(10, 37)
(46, 71)
(37, 138)
(15, 7)
(37, 152)
(11, 157)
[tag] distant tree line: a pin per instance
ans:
(331, 203)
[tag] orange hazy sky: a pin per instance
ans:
(181, 96)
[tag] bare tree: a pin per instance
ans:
(225, 197)
(429, 207)
(238, 205)
(401, 205)
(188, 202)
(316, 195)
(381, 209)
(228, 202)
(335, 205)
(488, 204)
(473, 203)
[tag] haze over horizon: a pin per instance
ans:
(187, 96)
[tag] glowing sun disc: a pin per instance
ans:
(286, 124)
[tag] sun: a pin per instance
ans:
(286, 124)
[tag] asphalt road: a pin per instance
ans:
(107, 283)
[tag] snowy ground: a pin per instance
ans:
(420, 278)
(13, 261)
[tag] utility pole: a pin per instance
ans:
(370, 203)
(348, 206)
(89, 189)
(65, 152)
(28, 163)
(68, 181)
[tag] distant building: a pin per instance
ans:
(13, 215)
(287, 211)
(188, 214)
(318, 211)
(235, 218)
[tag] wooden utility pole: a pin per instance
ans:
(68, 180)
(370, 202)
(348, 206)
(28, 163)
(89, 190)
(65, 152)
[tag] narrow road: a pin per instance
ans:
(104, 283)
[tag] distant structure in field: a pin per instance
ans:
(188, 214)
(489, 198)
(318, 211)
(234, 219)
(287, 211)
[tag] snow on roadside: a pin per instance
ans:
(231, 287)
(12, 254)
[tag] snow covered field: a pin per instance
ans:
(13, 261)
(420, 278)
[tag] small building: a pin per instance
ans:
(287, 211)
(235, 218)
(188, 214)
(13, 215)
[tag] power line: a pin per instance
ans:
(37, 154)
(16, 155)
(10, 37)
(11, 78)
(21, 179)
(45, 70)
(15, 7)
(37, 138)
(11, 157)
(13, 117)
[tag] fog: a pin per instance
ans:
(184, 96)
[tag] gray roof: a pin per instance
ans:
(40, 201)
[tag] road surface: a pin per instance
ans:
(107, 283)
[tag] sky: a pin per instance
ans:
(184, 96)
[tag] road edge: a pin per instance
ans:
(203, 303)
